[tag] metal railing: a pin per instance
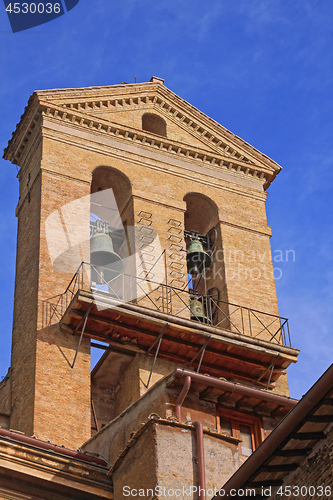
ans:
(142, 291)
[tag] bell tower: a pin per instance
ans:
(141, 230)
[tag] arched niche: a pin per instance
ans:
(154, 123)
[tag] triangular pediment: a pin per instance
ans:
(118, 110)
(131, 115)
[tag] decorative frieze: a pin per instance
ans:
(144, 138)
(73, 112)
(167, 108)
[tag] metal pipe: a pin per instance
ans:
(202, 354)
(235, 388)
(182, 396)
(82, 332)
(21, 438)
(159, 339)
(201, 460)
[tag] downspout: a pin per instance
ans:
(201, 460)
(199, 438)
(222, 384)
(182, 396)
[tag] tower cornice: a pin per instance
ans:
(83, 108)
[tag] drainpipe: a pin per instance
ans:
(182, 396)
(225, 385)
(235, 387)
(201, 460)
(199, 438)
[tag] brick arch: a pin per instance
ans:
(112, 201)
(201, 213)
(106, 177)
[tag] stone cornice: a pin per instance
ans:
(227, 138)
(174, 113)
(32, 464)
(182, 169)
(24, 129)
(82, 107)
(211, 133)
(125, 95)
(152, 141)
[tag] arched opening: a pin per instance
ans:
(154, 123)
(111, 208)
(201, 213)
(206, 280)
(110, 178)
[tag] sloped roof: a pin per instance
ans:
(290, 442)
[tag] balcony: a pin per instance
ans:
(216, 337)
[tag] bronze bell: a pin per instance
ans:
(197, 311)
(197, 259)
(107, 262)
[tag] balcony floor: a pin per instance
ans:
(129, 326)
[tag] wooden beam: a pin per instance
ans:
(228, 355)
(207, 393)
(276, 411)
(264, 484)
(320, 418)
(213, 367)
(114, 348)
(298, 452)
(169, 355)
(308, 436)
(279, 468)
(94, 415)
(223, 396)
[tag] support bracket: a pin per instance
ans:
(271, 368)
(84, 320)
(159, 340)
(202, 351)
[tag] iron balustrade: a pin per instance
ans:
(145, 292)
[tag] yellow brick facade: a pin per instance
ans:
(74, 132)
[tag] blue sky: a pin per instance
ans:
(261, 68)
